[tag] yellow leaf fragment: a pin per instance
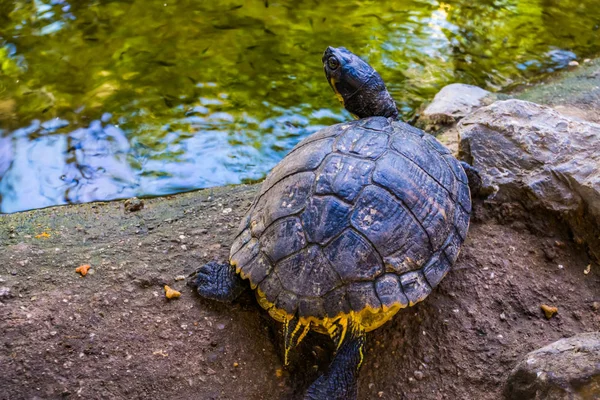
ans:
(83, 269)
(549, 310)
(171, 293)
(160, 353)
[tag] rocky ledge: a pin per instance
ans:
(525, 278)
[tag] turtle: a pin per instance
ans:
(358, 221)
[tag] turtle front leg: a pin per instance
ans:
(217, 282)
(340, 380)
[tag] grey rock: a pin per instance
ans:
(4, 292)
(533, 155)
(568, 369)
(133, 204)
(455, 101)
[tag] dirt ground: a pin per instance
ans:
(113, 335)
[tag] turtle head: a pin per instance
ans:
(357, 85)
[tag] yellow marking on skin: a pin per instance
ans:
(362, 356)
(286, 350)
(304, 333)
(337, 94)
(344, 323)
(296, 329)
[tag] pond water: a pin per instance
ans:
(111, 99)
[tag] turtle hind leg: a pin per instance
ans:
(217, 282)
(293, 333)
(340, 380)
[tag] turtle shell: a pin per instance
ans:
(364, 215)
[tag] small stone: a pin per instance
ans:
(4, 292)
(596, 306)
(560, 266)
(180, 278)
(503, 317)
(454, 102)
(573, 63)
(549, 253)
(380, 394)
(235, 365)
(133, 204)
(587, 269)
(549, 311)
(227, 210)
(419, 375)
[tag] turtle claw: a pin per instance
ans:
(217, 282)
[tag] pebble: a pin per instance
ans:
(573, 63)
(227, 210)
(587, 269)
(596, 306)
(419, 375)
(133, 204)
(4, 292)
(503, 317)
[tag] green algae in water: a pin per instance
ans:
(104, 99)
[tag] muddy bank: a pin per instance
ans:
(112, 333)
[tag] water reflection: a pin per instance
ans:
(104, 100)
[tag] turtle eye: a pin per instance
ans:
(333, 62)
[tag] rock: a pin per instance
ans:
(133, 204)
(566, 369)
(4, 292)
(453, 102)
(549, 311)
(533, 155)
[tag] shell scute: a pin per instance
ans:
(324, 218)
(353, 257)
(307, 273)
(362, 143)
(282, 238)
(343, 176)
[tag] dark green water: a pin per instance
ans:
(110, 99)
